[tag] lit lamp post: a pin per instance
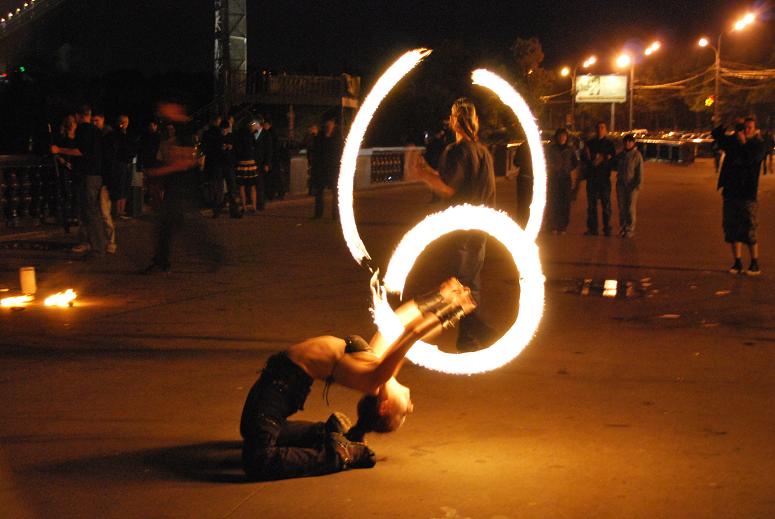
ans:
(739, 25)
(565, 72)
(625, 60)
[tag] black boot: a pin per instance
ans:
(350, 455)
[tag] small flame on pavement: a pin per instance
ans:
(15, 302)
(61, 299)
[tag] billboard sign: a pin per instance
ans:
(611, 88)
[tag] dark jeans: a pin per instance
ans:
(217, 173)
(319, 191)
(558, 201)
(275, 448)
(179, 216)
(470, 256)
(598, 190)
(92, 230)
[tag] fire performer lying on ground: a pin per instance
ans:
(275, 448)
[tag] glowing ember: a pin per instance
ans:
(62, 299)
(520, 243)
(15, 302)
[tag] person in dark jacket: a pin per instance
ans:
(119, 152)
(325, 168)
(739, 184)
(87, 155)
(598, 154)
(561, 163)
(465, 176)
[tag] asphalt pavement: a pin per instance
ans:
(647, 390)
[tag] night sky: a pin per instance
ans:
(361, 36)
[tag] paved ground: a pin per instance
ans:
(655, 405)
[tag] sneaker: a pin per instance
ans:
(351, 455)
(607, 232)
(754, 269)
(111, 248)
(80, 248)
(737, 267)
(590, 233)
(338, 423)
(124, 217)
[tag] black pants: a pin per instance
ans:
(275, 448)
(319, 192)
(217, 173)
(179, 217)
(558, 203)
(598, 190)
(524, 197)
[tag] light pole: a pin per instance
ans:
(625, 60)
(566, 71)
(739, 25)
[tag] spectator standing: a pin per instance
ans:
(235, 207)
(122, 149)
(212, 148)
(598, 154)
(629, 176)
(270, 162)
(326, 173)
(98, 120)
(148, 157)
(524, 168)
(562, 162)
(88, 165)
(68, 181)
(739, 182)
(465, 176)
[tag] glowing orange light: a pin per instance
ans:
(61, 299)
(15, 302)
(565, 71)
(623, 61)
(703, 42)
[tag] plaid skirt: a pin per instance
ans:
(247, 172)
(739, 221)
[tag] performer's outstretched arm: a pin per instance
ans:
(368, 373)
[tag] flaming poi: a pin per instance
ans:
(519, 242)
(61, 299)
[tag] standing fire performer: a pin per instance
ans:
(465, 175)
(275, 448)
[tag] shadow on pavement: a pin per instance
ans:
(208, 462)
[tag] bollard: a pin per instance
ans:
(27, 280)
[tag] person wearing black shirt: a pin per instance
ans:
(325, 168)
(88, 166)
(598, 156)
(739, 184)
(465, 176)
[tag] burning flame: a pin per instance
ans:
(519, 242)
(61, 299)
(15, 302)
(382, 88)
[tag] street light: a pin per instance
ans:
(703, 42)
(623, 61)
(565, 72)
